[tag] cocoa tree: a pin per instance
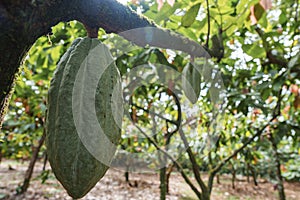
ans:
(22, 22)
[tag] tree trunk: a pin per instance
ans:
(218, 179)
(247, 172)
(45, 161)
(163, 186)
(233, 177)
(280, 185)
(0, 154)
(205, 195)
(162, 158)
(168, 175)
(254, 175)
(31, 164)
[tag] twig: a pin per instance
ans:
(154, 113)
(208, 24)
(296, 14)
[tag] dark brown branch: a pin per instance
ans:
(195, 166)
(208, 24)
(271, 57)
(179, 115)
(92, 32)
(297, 11)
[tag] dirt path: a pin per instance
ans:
(146, 186)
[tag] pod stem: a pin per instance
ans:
(92, 32)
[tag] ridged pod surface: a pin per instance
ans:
(72, 163)
(191, 80)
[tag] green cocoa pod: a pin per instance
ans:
(83, 121)
(191, 80)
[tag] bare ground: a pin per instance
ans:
(145, 186)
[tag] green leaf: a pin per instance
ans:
(264, 85)
(200, 24)
(263, 21)
(294, 61)
(165, 12)
(282, 18)
(191, 80)
(161, 57)
(190, 16)
(266, 93)
(187, 32)
(254, 50)
(244, 5)
(258, 11)
(278, 82)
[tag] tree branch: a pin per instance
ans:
(208, 24)
(193, 162)
(154, 113)
(273, 59)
